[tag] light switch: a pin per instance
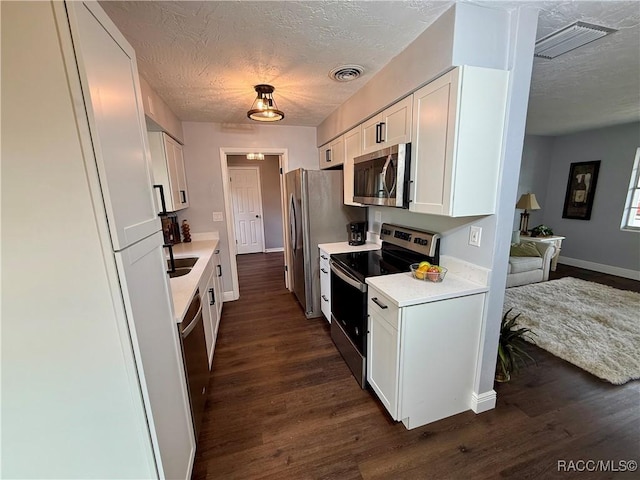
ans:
(475, 234)
(218, 217)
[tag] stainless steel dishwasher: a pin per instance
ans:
(194, 351)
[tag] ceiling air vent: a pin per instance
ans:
(569, 38)
(346, 73)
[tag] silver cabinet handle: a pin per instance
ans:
(377, 302)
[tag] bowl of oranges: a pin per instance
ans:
(428, 272)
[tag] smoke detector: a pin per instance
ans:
(346, 73)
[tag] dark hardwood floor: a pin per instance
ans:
(283, 405)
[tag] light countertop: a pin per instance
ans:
(344, 247)
(404, 290)
(183, 288)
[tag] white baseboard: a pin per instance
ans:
(271, 250)
(484, 402)
(599, 267)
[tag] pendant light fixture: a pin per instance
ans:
(264, 107)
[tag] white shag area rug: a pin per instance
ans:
(593, 326)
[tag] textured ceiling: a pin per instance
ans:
(203, 58)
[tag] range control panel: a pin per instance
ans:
(419, 241)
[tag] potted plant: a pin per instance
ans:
(541, 231)
(511, 352)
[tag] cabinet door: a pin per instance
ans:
(332, 154)
(109, 76)
(457, 142)
(383, 362)
(208, 310)
(352, 149)
(218, 290)
(396, 123)
(180, 175)
(177, 177)
(337, 151)
(325, 285)
(141, 270)
(431, 148)
(371, 135)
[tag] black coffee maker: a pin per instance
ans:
(357, 233)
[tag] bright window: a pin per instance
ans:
(631, 215)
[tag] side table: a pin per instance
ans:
(555, 239)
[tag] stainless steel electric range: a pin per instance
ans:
(401, 246)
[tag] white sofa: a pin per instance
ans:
(525, 270)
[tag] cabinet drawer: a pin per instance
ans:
(382, 306)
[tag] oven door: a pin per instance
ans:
(349, 305)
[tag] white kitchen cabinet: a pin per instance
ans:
(458, 124)
(382, 351)
(217, 289)
(209, 311)
(168, 171)
(210, 286)
(352, 149)
(332, 154)
(421, 359)
(105, 344)
(325, 285)
(390, 127)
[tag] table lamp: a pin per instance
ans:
(527, 202)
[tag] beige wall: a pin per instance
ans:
(202, 143)
(270, 188)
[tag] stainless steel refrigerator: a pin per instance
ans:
(317, 215)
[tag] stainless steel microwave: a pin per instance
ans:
(382, 177)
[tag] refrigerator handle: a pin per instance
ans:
(293, 231)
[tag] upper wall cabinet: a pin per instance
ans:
(332, 154)
(352, 148)
(168, 171)
(390, 127)
(458, 123)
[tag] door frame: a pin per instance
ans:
(258, 176)
(283, 153)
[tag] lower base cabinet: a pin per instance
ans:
(211, 291)
(421, 359)
(325, 285)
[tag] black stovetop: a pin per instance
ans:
(373, 263)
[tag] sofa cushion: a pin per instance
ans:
(524, 264)
(526, 249)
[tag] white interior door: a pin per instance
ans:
(246, 199)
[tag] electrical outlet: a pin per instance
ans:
(378, 217)
(475, 233)
(218, 217)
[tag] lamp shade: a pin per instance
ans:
(528, 202)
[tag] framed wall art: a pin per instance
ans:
(581, 188)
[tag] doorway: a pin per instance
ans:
(228, 159)
(246, 202)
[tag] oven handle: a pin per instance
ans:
(348, 278)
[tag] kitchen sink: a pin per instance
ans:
(183, 266)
